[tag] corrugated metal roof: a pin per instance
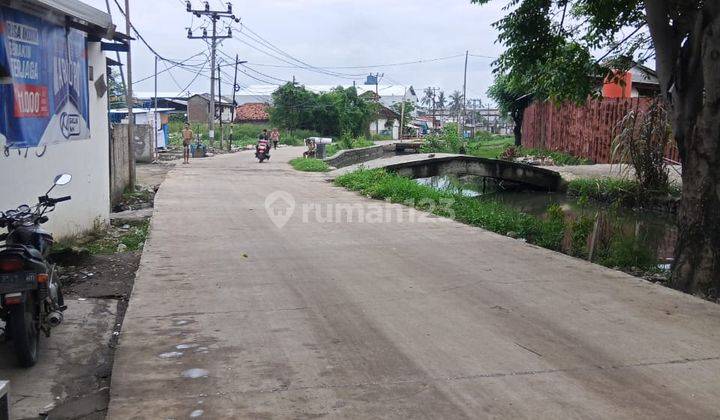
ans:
(80, 10)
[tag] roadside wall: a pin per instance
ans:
(354, 156)
(28, 173)
(584, 131)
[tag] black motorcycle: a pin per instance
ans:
(30, 297)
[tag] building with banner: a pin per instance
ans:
(53, 107)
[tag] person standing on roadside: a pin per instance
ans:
(187, 137)
(275, 137)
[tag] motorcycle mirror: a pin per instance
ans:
(63, 179)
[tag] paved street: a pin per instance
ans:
(234, 317)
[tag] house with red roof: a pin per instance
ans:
(252, 113)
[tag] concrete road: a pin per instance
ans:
(235, 317)
(69, 361)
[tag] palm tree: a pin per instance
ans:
(429, 98)
(441, 100)
(456, 101)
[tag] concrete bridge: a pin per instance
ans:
(424, 166)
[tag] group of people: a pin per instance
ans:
(270, 139)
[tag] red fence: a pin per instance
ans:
(580, 130)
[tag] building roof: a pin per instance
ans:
(225, 100)
(83, 16)
(252, 112)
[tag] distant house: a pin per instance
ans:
(198, 109)
(387, 123)
(252, 113)
(638, 82)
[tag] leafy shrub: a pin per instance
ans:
(511, 153)
(643, 137)
(628, 252)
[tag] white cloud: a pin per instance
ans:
(332, 33)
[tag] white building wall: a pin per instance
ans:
(23, 179)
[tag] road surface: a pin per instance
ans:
(235, 317)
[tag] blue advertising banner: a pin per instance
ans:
(43, 82)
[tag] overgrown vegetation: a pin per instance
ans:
(557, 230)
(642, 139)
(624, 191)
(330, 114)
(309, 165)
(491, 146)
(104, 239)
(488, 214)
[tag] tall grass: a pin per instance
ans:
(488, 214)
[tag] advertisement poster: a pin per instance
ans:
(43, 82)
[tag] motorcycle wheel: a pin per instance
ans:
(261, 159)
(25, 332)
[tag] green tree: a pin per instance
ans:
(441, 101)
(428, 97)
(116, 92)
(456, 101)
(550, 42)
(511, 95)
(332, 113)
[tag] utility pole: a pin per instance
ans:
(236, 89)
(220, 101)
(129, 100)
(402, 115)
(155, 114)
(461, 129)
(215, 16)
(376, 77)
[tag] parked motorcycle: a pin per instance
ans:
(262, 151)
(31, 300)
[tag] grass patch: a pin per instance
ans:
(556, 230)
(560, 158)
(309, 165)
(488, 214)
(623, 191)
(103, 239)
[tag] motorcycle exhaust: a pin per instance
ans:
(55, 318)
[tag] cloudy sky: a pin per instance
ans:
(326, 34)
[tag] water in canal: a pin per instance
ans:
(656, 230)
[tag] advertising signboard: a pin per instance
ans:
(43, 82)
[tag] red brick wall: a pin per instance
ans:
(583, 131)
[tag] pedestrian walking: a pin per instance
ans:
(275, 137)
(187, 137)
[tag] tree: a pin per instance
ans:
(512, 98)
(456, 101)
(441, 101)
(685, 37)
(428, 97)
(116, 92)
(335, 113)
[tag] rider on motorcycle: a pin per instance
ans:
(263, 140)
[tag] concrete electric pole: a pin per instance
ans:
(129, 100)
(214, 16)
